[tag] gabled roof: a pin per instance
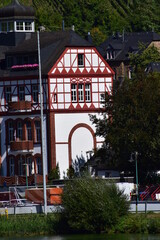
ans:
(52, 45)
(126, 43)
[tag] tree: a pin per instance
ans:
(92, 205)
(143, 57)
(55, 173)
(131, 122)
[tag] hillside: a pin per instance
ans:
(100, 17)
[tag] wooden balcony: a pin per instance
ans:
(21, 146)
(18, 106)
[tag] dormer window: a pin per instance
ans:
(81, 60)
(28, 26)
(23, 26)
(19, 26)
(110, 54)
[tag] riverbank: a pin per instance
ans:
(39, 224)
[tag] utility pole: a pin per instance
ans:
(42, 131)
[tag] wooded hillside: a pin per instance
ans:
(100, 17)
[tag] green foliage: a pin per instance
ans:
(31, 224)
(138, 223)
(107, 16)
(133, 223)
(55, 173)
(70, 172)
(140, 60)
(131, 122)
(92, 205)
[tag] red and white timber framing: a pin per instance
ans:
(75, 92)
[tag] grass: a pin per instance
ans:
(39, 224)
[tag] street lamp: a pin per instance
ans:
(131, 160)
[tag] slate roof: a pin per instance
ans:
(52, 45)
(15, 10)
(126, 43)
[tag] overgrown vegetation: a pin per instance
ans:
(29, 224)
(130, 120)
(92, 205)
(35, 224)
(102, 18)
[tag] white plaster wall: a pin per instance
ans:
(65, 122)
(62, 158)
(82, 139)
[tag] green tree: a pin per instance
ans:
(141, 59)
(55, 173)
(92, 205)
(131, 122)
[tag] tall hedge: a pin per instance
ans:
(92, 205)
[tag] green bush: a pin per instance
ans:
(132, 223)
(92, 205)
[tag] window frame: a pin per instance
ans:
(38, 165)
(35, 93)
(11, 166)
(87, 92)
(8, 94)
(10, 132)
(80, 93)
(19, 131)
(37, 131)
(21, 94)
(80, 59)
(28, 131)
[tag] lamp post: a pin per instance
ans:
(131, 160)
(137, 199)
(42, 129)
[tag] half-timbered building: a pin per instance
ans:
(75, 78)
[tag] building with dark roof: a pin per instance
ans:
(117, 49)
(75, 78)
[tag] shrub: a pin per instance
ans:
(92, 205)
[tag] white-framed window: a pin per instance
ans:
(35, 92)
(29, 130)
(80, 59)
(19, 26)
(28, 26)
(8, 94)
(21, 166)
(81, 92)
(10, 131)
(21, 91)
(11, 166)
(38, 131)
(88, 92)
(38, 165)
(19, 131)
(74, 92)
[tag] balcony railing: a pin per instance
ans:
(24, 146)
(17, 106)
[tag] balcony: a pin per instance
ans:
(18, 106)
(22, 146)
